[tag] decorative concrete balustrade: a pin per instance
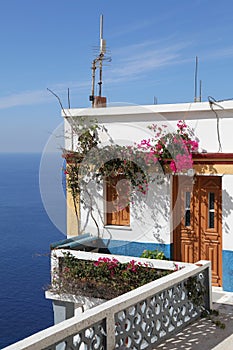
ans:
(136, 320)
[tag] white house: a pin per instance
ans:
(190, 216)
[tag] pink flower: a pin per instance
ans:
(159, 146)
(132, 266)
(173, 166)
(145, 143)
(181, 125)
(111, 263)
(181, 162)
(194, 146)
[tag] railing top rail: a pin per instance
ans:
(159, 264)
(153, 287)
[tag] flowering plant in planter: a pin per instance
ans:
(105, 278)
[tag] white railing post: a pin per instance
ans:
(208, 282)
(110, 331)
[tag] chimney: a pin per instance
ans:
(99, 102)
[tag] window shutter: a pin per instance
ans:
(117, 198)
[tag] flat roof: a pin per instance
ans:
(192, 110)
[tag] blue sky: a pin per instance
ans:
(153, 43)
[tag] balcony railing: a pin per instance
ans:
(139, 319)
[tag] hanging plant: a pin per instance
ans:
(172, 148)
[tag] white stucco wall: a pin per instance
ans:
(206, 131)
(127, 125)
(227, 211)
(149, 216)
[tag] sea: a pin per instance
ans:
(26, 232)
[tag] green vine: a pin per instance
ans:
(213, 315)
(196, 293)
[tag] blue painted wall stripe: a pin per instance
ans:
(136, 249)
(227, 270)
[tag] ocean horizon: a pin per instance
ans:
(26, 233)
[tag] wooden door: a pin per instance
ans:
(197, 221)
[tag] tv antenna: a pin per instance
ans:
(196, 98)
(98, 63)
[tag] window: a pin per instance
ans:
(117, 201)
(187, 209)
(211, 209)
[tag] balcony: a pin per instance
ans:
(139, 319)
(136, 320)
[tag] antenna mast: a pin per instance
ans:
(195, 81)
(101, 54)
(200, 92)
(196, 98)
(98, 62)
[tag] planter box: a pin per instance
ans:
(83, 301)
(103, 279)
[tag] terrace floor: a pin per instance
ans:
(203, 334)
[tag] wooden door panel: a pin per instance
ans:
(189, 251)
(211, 252)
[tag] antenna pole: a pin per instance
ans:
(93, 68)
(100, 78)
(101, 55)
(101, 27)
(200, 96)
(68, 95)
(195, 80)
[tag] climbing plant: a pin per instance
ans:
(91, 162)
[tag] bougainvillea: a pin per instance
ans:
(93, 162)
(173, 148)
